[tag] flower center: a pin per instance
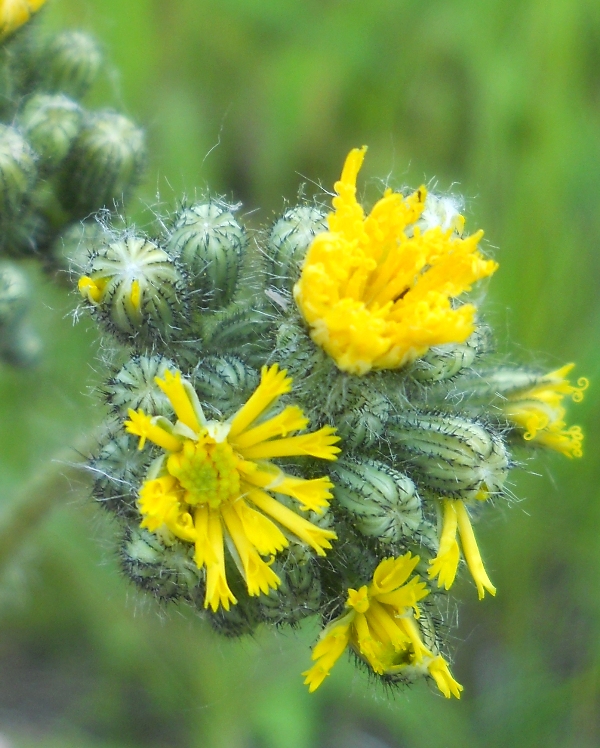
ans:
(207, 470)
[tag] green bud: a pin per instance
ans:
(15, 293)
(382, 502)
(443, 362)
(51, 124)
(451, 456)
(105, 163)
(289, 240)
(299, 594)
(169, 572)
(118, 468)
(18, 172)
(69, 63)
(240, 330)
(209, 244)
(134, 287)
(134, 386)
(240, 620)
(73, 248)
(223, 384)
(20, 345)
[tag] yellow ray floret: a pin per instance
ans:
(376, 291)
(207, 489)
(379, 624)
(540, 412)
(445, 565)
(16, 13)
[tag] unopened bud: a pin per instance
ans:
(289, 241)
(51, 124)
(209, 243)
(169, 572)
(298, 595)
(450, 456)
(105, 163)
(69, 64)
(133, 387)
(134, 286)
(383, 503)
(224, 383)
(18, 172)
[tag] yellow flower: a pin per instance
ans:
(377, 291)
(15, 13)
(539, 411)
(380, 626)
(445, 565)
(214, 483)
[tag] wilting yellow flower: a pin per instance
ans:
(215, 481)
(377, 291)
(540, 412)
(445, 565)
(15, 13)
(380, 627)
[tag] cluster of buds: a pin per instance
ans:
(59, 161)
(309, 424)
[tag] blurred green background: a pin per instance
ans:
(498, 101)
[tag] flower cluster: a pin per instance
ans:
(314, 435)
(60, 162)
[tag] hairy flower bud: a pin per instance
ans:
(15, 293)
(134, 287)
(289, 241)
(72, 249)
(450, 456)
(169, 572)
(299, 594)
(18, 172)
(224, 383)
(383, 503)
(241, 330)
(209, 243)
(105, 163)
(134, 386)
(69, 64)
(51, 124)
(117, 469)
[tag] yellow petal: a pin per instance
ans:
(471, 552)
(173, 387)
(273, 384)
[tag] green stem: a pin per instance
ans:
(48, 488)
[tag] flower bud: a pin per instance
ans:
(382, 502)
(133, 387)
(134, 287)
(20, 345)
(224, 383)
(240, 620)
(241, 330)
(169, 572)
(299, 594)
(73, 248)
(118, 469)
(69, 64)
(450, 456)
(209, 243)
(443, 362)
(15, 293)
(18, 172)
(105, 163)
(51, 124)
(289, 240)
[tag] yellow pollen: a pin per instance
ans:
(207, 471)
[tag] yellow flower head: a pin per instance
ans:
(377, 291)
(539, 411)
(380, 626)
(216, 482)
(16, 13)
